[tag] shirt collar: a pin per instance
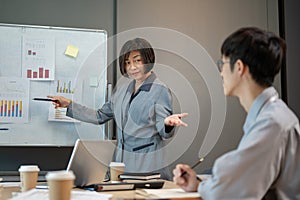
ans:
(257, 105)
(146, 86)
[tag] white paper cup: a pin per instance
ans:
(116, 168)
(28, 176)
(60, 184)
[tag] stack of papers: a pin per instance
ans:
(38, 194)
(167, 193)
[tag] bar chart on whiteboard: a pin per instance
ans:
(38, 58)
(14, 100)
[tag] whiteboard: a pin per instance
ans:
(70, 62)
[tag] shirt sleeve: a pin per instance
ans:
(163, 109)
(89, 115)
(250, 170)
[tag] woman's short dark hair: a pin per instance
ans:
(145, 49)
(263, 52)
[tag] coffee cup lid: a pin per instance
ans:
(116, 164)
(60, 175)
(29, 168)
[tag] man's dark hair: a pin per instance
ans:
(145, 49)
(263, 52)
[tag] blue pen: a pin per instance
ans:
(4, 129)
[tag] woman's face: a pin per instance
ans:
(135, 67)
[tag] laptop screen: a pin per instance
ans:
(90, 160)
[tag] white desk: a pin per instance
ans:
(6, 192)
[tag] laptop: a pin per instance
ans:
(14, 176)
(90, 160)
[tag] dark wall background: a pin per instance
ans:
(292, 36)
(97, 14)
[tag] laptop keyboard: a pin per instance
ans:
(7, 178)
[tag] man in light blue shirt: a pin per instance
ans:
(266, 164)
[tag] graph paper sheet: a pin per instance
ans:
(14, 100)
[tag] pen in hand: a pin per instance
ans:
(196, 164)
(45, 99)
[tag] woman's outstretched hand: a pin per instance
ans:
(175, 120)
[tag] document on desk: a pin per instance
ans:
(38, 194)
(167, 193)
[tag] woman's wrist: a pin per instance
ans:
(69, 102)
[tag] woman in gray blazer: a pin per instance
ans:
(141, 108)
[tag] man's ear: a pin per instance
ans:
(240, 67)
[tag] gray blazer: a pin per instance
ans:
(140, 124)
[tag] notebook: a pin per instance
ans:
(139, 176)
(90, 159)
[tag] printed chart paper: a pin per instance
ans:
(14, 100)
(59, 115)
(63, 87)
(38, 58)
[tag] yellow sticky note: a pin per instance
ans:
(72, 51)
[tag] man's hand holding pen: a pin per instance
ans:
(186, 177)
(60, 101)
(189, 181)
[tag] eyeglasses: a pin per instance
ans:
(220, 64)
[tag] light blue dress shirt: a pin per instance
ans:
(267, 160)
